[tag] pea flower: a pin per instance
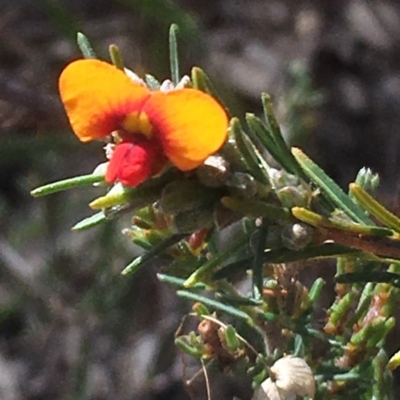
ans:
(184, 126)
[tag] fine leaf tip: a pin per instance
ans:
(35, 192)
(191, 281)
(296, 151)
(174, 28)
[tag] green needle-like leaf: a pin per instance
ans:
(140, 261)
(237, 300)
(318, 220)
(71, 183)
(202, 82)
(90, 222)
(259, 239)
(315, 291)
(285, 158)
(173, 54)
(84, 46)
(330, 188)
(116, 57)
(369, 276)
(263, 140)
(116, 196)
(217, 259)
(232, 269)
(327, 250)
(374, 207)
(278, 256)
(248, 152)
(216, 305)
(173, 280)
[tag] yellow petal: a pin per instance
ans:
(97, 96)
(190, 124)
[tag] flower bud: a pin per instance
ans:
(292, 196)
(290, 189)
(269, 391)
(280, 178)
(290, 377)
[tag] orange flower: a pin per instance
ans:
(184, 126)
